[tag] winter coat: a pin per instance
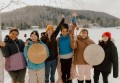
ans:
(111, 58)
(10, 46)
(31, 65)
(79, 48)
(52, 42)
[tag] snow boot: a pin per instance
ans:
(80, 81)
(69, 81)
(88, 81)
(14, 81)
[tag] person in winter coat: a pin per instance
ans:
(36, 71)
(84, 69)
(49, 38)
(111, 59)
(66, 53)
(10, 47)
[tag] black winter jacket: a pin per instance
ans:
(52, 42)
(10, 47)
(111, 58)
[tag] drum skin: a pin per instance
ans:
(37, 53)
(94, 54)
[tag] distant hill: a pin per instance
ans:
(43, 15)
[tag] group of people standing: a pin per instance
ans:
(68, 49)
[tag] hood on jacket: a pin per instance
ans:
(80, 38)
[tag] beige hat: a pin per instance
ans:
(37, 53)
(94, 54)
(50, 27)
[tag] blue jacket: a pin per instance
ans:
(31, 65)
(64, 45)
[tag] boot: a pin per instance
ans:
(96, 81)
(14, 81)
(52, 82)
(20, 82)
(80, 81)
(64, 81)
(69, 81)
(88, 81)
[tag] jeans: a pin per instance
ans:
(104, 76)
(50, 68)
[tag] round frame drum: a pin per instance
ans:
(37, 53)
(94, 54)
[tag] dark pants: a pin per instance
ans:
(65, 69)
(86, 81)
(18, 75)
(104, 76)
(50, 68)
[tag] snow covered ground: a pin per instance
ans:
(94, 34)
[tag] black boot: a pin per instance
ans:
(64, 81)
(88, 81)
(96, 82)
(80, 81)
(69, 81)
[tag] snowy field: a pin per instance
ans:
(94, 34)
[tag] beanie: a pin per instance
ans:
(50, 27)
(108, 34)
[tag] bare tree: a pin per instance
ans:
(2, 7)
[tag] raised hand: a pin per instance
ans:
(2, 44)
(74, 14)
(63, 16)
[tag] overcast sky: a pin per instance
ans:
(109, 6)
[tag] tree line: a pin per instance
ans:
(41, 16)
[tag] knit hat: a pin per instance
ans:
(108, 34)
(65, 26)
(50, 27)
